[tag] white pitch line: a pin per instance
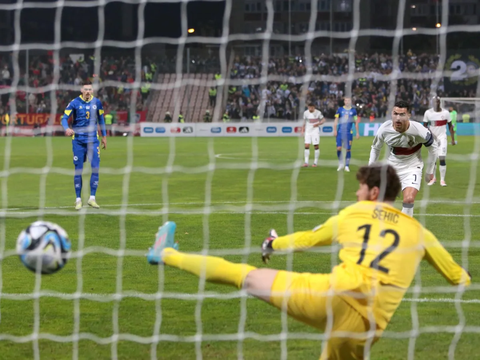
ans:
(444, 300)
(51, 211)
(245, 158)
(310, 203)
(182, 296)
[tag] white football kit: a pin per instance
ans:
(438, 126)
(406, 151)
(312, 134)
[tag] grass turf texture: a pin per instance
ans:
(135, 204)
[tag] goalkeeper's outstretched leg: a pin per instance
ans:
(305, 297)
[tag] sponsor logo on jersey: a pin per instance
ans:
(298, 129)
(188, 129)
(286, 129)
(243, 129)
(160, 130)
(87, 107)
(327, 129)
(231, 129)
(148, 130)
(216, 130)
(175, 130)
(271, 129)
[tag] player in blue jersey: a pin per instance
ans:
(87, 113)
(345, 117)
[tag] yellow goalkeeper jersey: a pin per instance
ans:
(381, 250)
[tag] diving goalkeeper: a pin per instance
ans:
(381, 249)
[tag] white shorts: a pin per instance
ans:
(411, 178)
(442, 144)
(312, 137)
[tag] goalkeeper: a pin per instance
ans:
(87, 113)
(381, 249)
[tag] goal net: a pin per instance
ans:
(217, 91)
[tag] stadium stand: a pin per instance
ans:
(73, 73)
(281, 99)
(273, 100)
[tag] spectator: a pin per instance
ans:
(207, 117)
(181, 118)
(168, 117)
(6, 75)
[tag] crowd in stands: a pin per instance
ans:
(73, 71)
(281, 99)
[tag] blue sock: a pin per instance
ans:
(347, 161)
(77, 180)
(339, 153)
(94, 182)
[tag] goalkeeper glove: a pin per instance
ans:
(267, 248)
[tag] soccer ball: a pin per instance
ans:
(44, 245)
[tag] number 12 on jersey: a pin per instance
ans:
(366, 237)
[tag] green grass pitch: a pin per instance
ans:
(144, 182)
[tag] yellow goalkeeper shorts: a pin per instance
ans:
(305, 297)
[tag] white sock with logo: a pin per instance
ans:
(317, 155)
(407, 209)
(78, 200)
(307, 155)
(443, 172)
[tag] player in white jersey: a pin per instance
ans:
(313, 119)
(436, 120)
(405, 139)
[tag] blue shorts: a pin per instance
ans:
(86, 148)
(345, 141)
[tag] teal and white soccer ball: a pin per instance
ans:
(43, 245)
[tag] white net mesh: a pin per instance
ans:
(224, 193)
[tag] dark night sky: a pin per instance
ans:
(81, 24)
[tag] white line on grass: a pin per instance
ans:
(248, 158)
(309, 203)
(118, 212)
(20, 214)
(444, 300)
(183, 296)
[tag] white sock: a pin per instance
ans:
(307, 155)
(407, 209)
(92, 197)
(79, 199)
(317, 154)
(443, 171)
